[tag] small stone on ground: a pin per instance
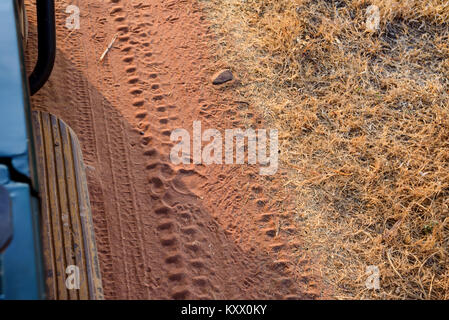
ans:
(222, 77)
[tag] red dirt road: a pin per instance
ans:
(166, 231)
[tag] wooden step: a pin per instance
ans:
(67, 231)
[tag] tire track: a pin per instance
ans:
(134, 255)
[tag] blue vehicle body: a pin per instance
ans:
(21, 263)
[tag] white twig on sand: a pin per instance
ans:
(108, 48)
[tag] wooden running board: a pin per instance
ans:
(72, 269)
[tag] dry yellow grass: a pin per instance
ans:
(364, 131)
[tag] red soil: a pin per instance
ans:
(166, 231)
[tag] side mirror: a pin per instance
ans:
(6, 228)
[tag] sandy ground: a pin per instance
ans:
(166, 231)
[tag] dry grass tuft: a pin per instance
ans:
(364, 130)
